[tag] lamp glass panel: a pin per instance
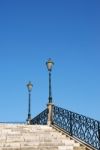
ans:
(49, 65)
(29, 86)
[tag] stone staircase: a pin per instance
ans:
(34, 137)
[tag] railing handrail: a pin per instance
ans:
(78, 114)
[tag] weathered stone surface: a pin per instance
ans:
(34, 137)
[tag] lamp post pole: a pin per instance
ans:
(49, 65)
(50, 94)
(29, 86)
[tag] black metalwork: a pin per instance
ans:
(79, 126)
(29, 86)
(50, 94)
(41, 118)
(29, 106)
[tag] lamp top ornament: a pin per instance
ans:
(29, 86)
(49, 64)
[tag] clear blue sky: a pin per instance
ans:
(31, 31)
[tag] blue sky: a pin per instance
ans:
(68, 31)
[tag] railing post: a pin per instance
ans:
(50, 113)
(70, 123)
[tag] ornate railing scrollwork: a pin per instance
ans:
(41, 118)
(79, 126)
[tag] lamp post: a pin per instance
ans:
(49, 65)
(29, 87)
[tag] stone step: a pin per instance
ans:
(80, 148)
(36, 144)
(37, 148)
(34, 137)
(30, 148)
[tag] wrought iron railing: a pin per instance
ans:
(79, 126)
(41, 118)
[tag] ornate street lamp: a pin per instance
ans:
(29, 87)
(49, 65)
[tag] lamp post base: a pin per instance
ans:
(28, 120)
(50, 113)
